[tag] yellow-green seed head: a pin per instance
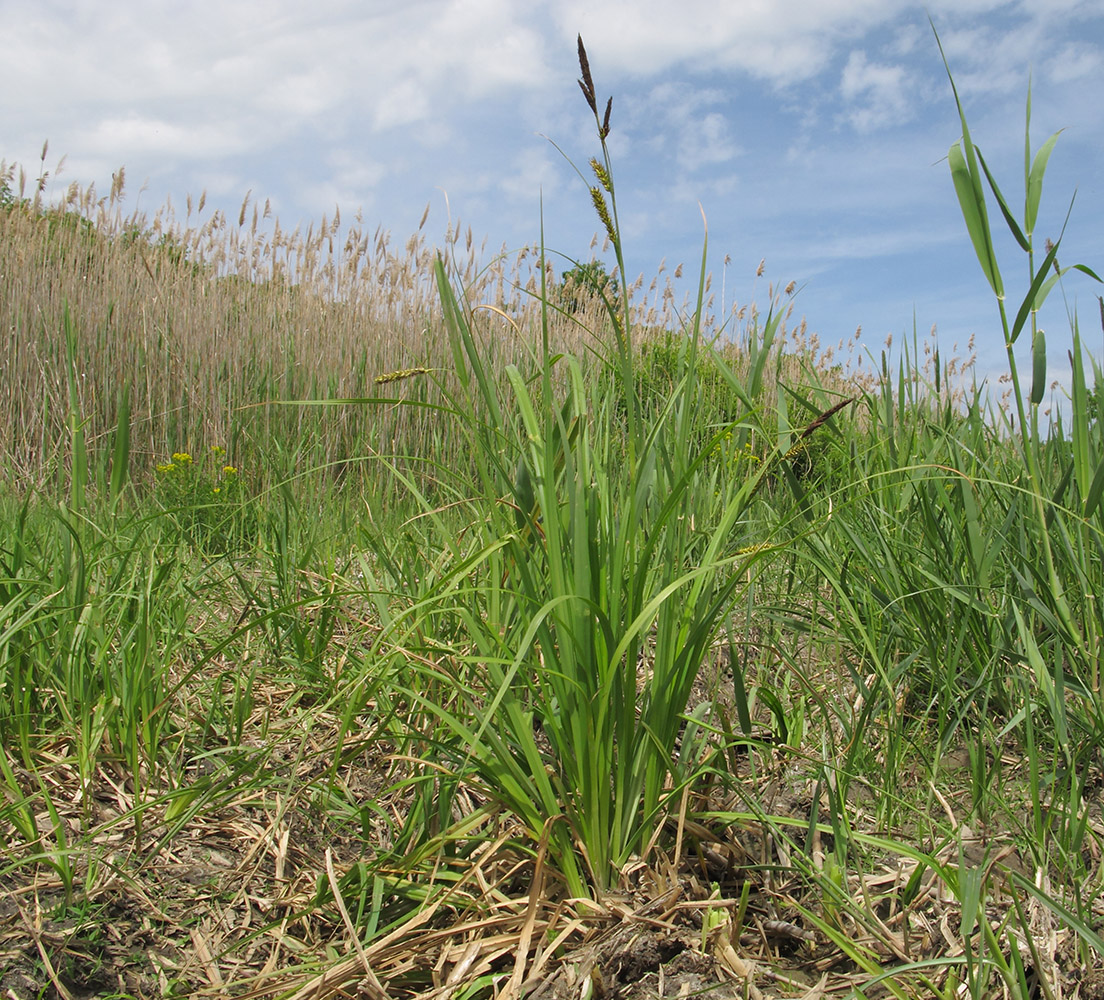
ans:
(401, 374)
(603, 212)
(601, 173)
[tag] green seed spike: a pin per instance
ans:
(602, 174)
(603, 212)
(402, 373)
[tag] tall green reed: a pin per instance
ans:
(1057, 621)
(963, 564)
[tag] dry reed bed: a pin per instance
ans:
(214, 324)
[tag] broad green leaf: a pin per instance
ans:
(1038, 367)
(1045, 288)
(1035, 182)
(974, 535)
(971, 197)
(973, 212)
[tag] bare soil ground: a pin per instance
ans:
(224, 885)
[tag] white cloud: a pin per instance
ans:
(876, 244)
(874, 92)
(1075, 61)
(405, 103)
(352, 178)
(133, 133)
(781, 41)
(708, 144)
(532, 173)
(681, 119)
(992, 58)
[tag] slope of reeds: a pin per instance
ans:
(212, 325)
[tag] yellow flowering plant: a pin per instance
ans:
(205, 499)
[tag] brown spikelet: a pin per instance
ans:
(587, 82)
(823, 418)
(605, 129)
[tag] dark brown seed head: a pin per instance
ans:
(588, 95)
(823, 418)
(587, 82)
(605, 130)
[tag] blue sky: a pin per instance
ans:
(813, 134)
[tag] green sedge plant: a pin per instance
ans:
(586, 596)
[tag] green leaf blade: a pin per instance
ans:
(972, 205)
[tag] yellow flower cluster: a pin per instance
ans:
(746, 454)
(205, 498)
(182, 460)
